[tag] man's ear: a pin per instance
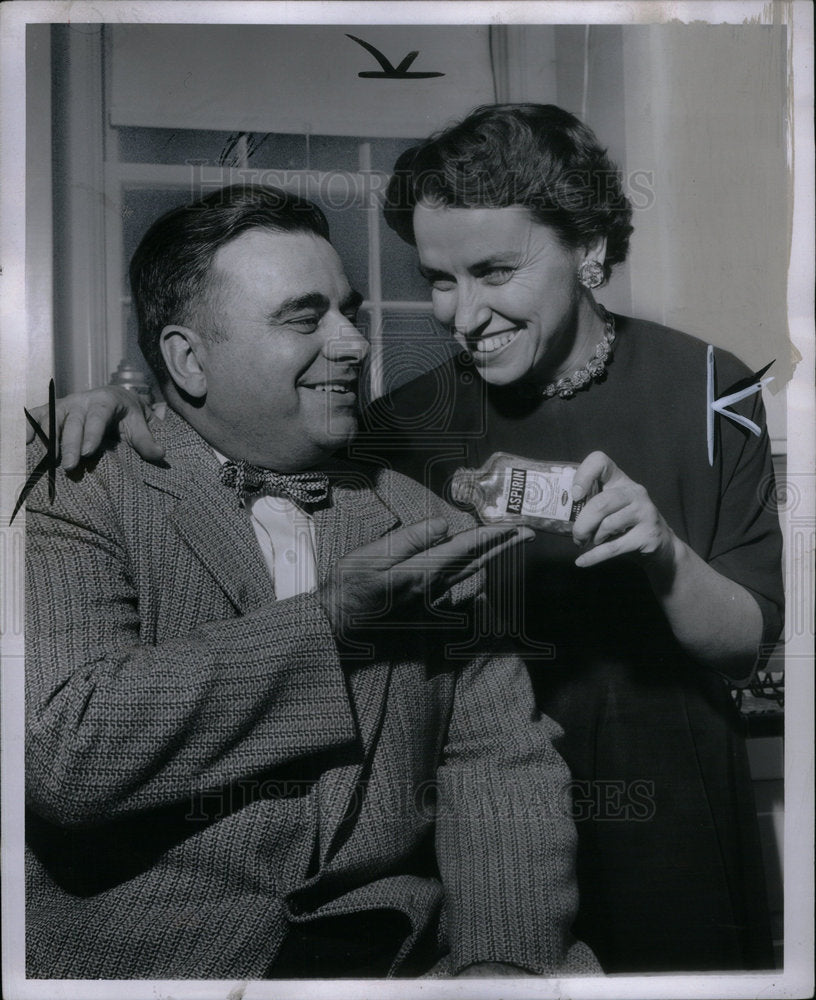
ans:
(182, 350)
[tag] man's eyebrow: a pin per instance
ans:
(352, 302)
(312, 300)
(430, 273)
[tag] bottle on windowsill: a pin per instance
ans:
(520, 491)
(131, 376)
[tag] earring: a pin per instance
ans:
(591, 273)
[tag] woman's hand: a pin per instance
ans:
(83, 418)
(619, 520)
(714, 619)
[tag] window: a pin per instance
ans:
(128, 148)
(154, 170)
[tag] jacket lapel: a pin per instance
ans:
(208, 517)
(359, 514)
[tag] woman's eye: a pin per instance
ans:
(497, 275)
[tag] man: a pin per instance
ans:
(252, 750)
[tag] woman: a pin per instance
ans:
(518, 215)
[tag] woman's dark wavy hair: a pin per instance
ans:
(170, 272)
(535, 155)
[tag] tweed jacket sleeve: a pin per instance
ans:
(505, 839)
(147, 683)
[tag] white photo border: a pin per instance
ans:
(796, 979)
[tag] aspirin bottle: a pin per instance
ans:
(519, 491)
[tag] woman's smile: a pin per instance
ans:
(508, 289)
(492, 343)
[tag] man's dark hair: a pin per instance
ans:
(170, 271)
(535, 155)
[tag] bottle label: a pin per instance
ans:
(541, 494)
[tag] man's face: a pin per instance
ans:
(282, 380)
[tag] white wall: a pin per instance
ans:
(706, 113)
(696, 117)
(39, 229)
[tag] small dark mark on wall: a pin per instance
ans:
(390, 72)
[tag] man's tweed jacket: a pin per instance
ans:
(205, 770)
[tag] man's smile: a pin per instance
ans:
(339, 385)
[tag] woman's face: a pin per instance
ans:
(505, 286)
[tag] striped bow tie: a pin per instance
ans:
(307, 489)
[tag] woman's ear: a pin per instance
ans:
(596, 250)
(182, 350)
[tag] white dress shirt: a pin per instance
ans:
(285, 534)
(286, 537)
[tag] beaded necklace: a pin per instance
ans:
(595, 368)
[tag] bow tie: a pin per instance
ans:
(307, 489)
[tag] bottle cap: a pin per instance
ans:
(464, 489)
(131, 376)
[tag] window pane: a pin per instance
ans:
(330, 152)
(349, 235)
(384, 152)
(165, 145)
(401, 279)
(412, 344)
(140, 209)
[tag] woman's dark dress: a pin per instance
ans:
(669, 863)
